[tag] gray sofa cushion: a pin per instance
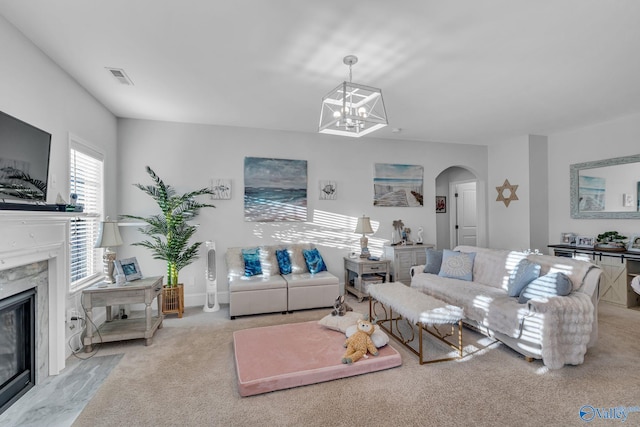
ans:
(549, 285)
(525, 272)
(434, 261)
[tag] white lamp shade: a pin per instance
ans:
(108, 235)
(364, 225)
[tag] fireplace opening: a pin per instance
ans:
(17, 347)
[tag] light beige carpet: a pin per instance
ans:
(187, 378)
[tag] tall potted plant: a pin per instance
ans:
(170, 234)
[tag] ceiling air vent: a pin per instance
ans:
(120, 76)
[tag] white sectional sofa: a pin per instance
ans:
(272, 291)
(556, 329)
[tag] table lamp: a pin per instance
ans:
(108, 237)
(364, 227)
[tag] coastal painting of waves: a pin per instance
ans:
(275, 190)
(398, 185)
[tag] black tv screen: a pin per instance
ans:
(24, 161)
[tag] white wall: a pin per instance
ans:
(616, 138)
(538, 189)
(37, 91)
(509, 226)
(188, 156)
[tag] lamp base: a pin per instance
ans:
(364, 250)
(364, 253)
(108, 259)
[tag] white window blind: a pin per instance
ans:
(86, 181)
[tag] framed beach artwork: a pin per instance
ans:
(221, 189)
(591, 193)
(397, 185)
(328, 190)
(275, 190)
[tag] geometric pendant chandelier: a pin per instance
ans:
(352, 109)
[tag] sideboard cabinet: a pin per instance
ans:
(618, 269)
(403, 258)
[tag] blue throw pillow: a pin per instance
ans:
(284, 261)
(457, 265)
(434, 261)
(252, 265)
(314, 261)
(549, 285)
(524, 273)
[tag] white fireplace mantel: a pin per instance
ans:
(28, 237)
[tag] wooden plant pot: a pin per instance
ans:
(173, 300)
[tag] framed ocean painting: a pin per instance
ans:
(275, 190)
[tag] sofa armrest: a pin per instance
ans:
(566, 326)
(416, 269)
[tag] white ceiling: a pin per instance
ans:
(467, 71)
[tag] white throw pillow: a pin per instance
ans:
(379, 338)
(341, 323)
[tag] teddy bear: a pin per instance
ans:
(360, 342)
(340, 307)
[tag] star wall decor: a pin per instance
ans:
(511, 195)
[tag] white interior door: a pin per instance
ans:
(464, 214)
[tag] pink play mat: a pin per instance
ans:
(284, 356)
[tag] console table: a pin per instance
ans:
(403, 257)
(360, 266)
(107, 294)
(618, 269)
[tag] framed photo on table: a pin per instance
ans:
(568, 238)
(129, 268)
(585, 241)
(634, 243)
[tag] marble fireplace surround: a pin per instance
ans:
(26, 238)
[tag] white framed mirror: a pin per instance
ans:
(607, 188)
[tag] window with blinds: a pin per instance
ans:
(86, 181)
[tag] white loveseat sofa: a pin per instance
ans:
(272, 291)
(556, 329)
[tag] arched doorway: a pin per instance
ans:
(458, 224)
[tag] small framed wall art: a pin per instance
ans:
(634, 243)
(220, 189)
(585, 241)
(328, 190)
(441, 204)
(129, 268)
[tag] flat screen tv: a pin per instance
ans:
(24, 161)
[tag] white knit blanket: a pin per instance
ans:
(415, 306)
(566, 328)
